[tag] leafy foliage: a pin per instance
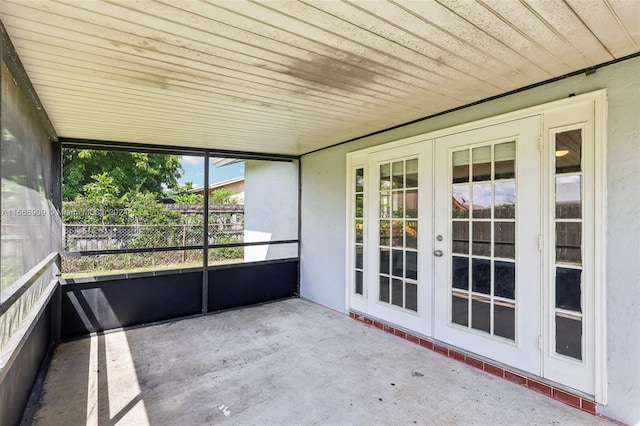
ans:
(102, 189)
(113, 198)
(222, 196)
(189, 199)
(126, 172)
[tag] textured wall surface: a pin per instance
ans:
(271, 208)
(323, 214)
(623, 235)
(322, 239)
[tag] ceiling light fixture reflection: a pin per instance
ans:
(562, 152)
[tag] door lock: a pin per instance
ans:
(438, 253)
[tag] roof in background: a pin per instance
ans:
(218, 184)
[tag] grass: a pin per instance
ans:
(99, 273)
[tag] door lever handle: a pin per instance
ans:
(438, 253)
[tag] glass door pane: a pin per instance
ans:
(398, 230)
(483, 225)
(568, 244)
(358, 222)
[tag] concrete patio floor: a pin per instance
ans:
(287, 363)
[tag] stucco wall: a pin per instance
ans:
(271, 208)
(323, 214)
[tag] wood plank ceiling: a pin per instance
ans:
(290, 77)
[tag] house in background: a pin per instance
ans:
(235, 185)
(462, 174)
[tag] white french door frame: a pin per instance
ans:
(597, 101)
(419, 321)
(522, 352)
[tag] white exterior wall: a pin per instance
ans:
(323, 214)
(270, 208)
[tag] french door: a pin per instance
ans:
(399, 236)
(487, 239)
(487, 253)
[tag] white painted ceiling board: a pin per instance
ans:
(523, 17)
(600, 17)
(570, 27)
(343, 64)
(208, 80)
(491, 54)
(356, 45)
(497, 26)
(442, 52)
(163, 78)
(309, 51)
(291, 76)
(628, 13)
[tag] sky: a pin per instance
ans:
(194, 171)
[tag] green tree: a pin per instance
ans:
(102, 189)
(127, 172)
(182, 195)
(189, 199)
(222, 196)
